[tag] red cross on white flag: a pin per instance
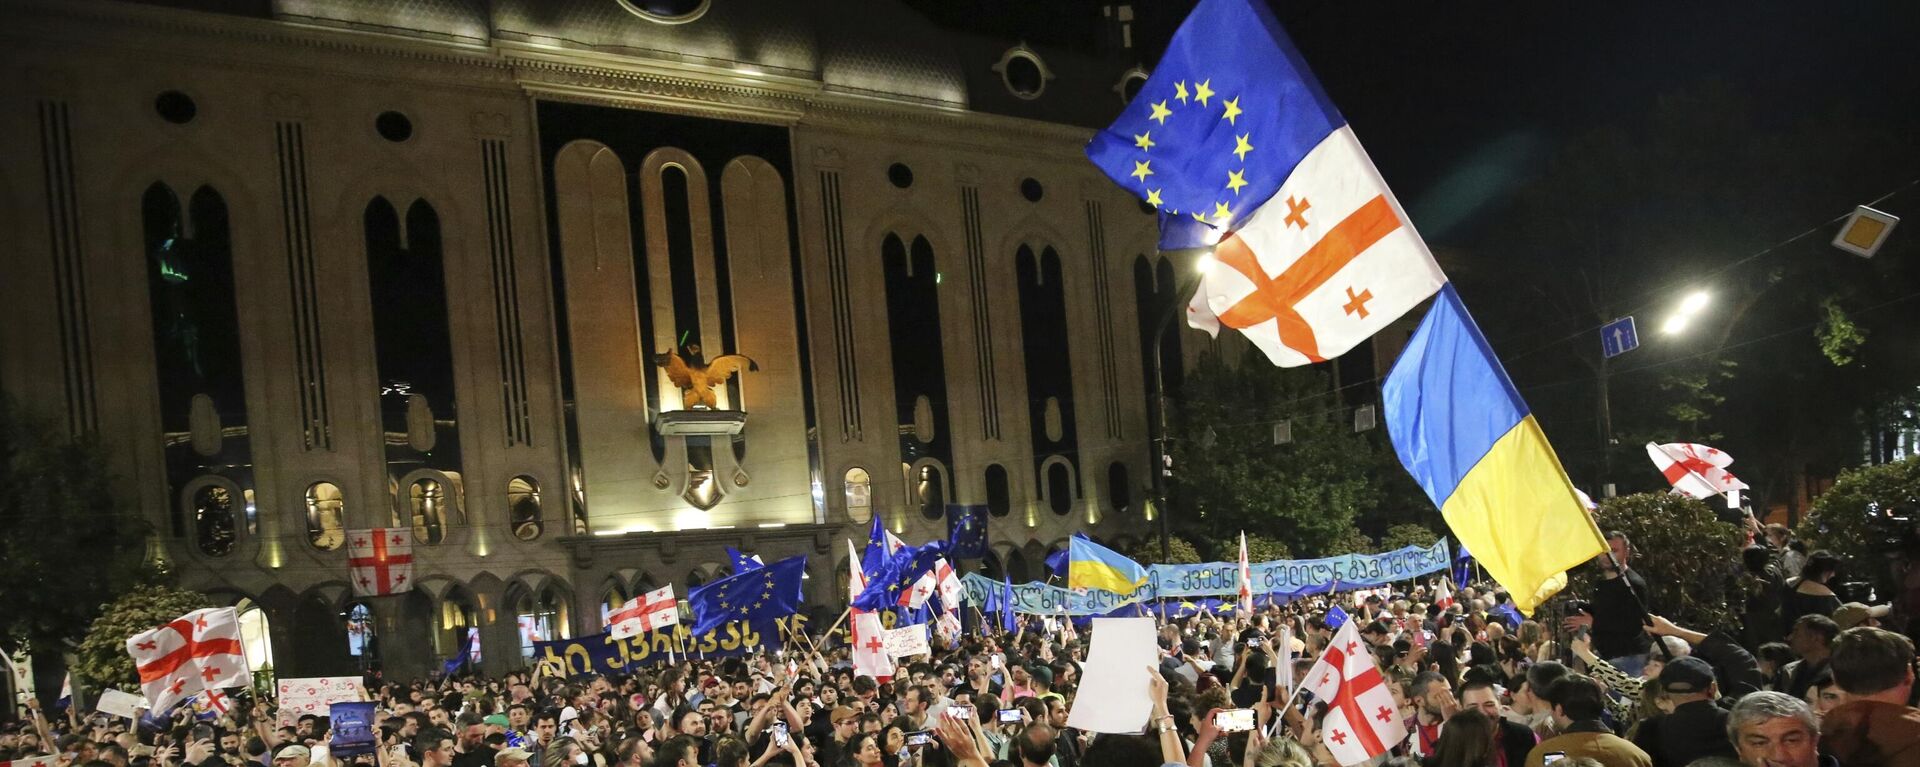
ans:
(1696, 470)
(864, 634)
(198, 651)
(645, 613)
(1362, 721)
(381, 560)
(1327, 262)
(870, 657)
(949, 583)
(913, 598)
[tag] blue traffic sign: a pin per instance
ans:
(1618, 337)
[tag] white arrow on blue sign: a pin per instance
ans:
(1618, 337)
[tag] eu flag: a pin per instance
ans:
(1228, 113)
(760, 594)
(744, 562)
(966, 531)
(1336, 617)
(897, 575)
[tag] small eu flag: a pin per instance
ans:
(756, 595)
(966, 531)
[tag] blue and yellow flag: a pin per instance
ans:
(1470, 441)
(760, 594)
(1093, 566)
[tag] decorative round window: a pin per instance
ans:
(667, 11)
(1130, 83)
(1022, 71)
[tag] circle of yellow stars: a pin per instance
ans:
(1202, 93)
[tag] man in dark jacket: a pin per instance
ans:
(1675, 740)
(1874, 667)
(1618, 614)
(1512, 739)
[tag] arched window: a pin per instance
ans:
(542, 618)
(255, 635)
(999, 497)
(326, 516)
(1119, 491)
(361, 642)
(213, 519)
(859, 487)
(428, 498)
(930, 489)
(523, 507)
(1059, 487)
(615, 596)
(457, 616)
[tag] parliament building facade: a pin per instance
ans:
(311, 266)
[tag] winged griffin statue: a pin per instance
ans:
(696, 379)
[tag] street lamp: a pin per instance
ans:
(1187, 284)
(1690, 306)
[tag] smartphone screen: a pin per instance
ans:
(1009, 715)
(780, 737)
(921, 738)
(960, 712)
(1553, 757)
(1234, 720)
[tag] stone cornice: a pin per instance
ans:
(542, 71)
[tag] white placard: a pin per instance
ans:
(117, 703)
(907, 640)
(1114, 696)
(316, 695)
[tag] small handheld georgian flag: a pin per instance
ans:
(1362, 719)
(1696, 470)
(381, 559)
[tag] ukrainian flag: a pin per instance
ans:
(1093, 566)
(1469, 440)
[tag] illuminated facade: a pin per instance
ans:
(310, 266)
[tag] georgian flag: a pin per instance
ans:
(948, 583)
(916, 596)
(645, 613)
(865, 634)
(1696, 470)
(1362, 721)
(1326, 263)
(197, 651)
(381, 561)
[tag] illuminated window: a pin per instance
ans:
(429, 501)
(326, 516)
(542, 618)
(523, 507)
(360, 637)
(213, 519)
(859, 494)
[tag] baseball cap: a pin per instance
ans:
(842, 713)
(1853, 614)
(1041, 672)
(512, 754)
(1686, 676)
(499, 720)
(294, 752)
(569, 714)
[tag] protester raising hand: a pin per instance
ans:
(957, 736)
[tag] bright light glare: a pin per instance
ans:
(1204, 263)
(1674, 325)
(1694, 302)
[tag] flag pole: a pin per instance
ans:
(837, 621)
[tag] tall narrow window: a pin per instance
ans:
(859, 494)
(523, 507)
(542, 617)
(213, 519)
(428, 498)
(999, 497)
(326, 516)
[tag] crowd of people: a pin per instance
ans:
(1803, 679)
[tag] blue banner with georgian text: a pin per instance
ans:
(1284, 577)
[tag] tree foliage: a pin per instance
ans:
(1407, 534)
(103, 658)
(70, 546)
(1147, 552)
(1858, 518)
(1229, 476)
(1689, 557)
